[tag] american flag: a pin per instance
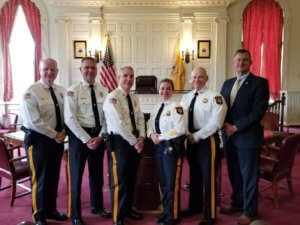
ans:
(108, 76)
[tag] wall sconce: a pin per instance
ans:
(185, 55)
(97, 55)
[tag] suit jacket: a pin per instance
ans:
(249, 107)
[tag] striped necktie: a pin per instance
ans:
(234, 91)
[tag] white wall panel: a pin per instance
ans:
(157, 27)
(111, 27)
(157, 49)
(141, 71)
(126, 46)
(80, 27)
(206, 27)
(142, 50)
(141, 27)
(126, 27)
(157, 72)
(172, 27)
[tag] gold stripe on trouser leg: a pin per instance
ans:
(69, 194)
(212, 177)
(176, 195)
(33, 180)
(116, 187)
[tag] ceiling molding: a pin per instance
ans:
(162, 3)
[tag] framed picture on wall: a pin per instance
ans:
(204, 49)
(79, 49)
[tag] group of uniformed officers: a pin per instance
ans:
(91, 118)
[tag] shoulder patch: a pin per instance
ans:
(27, 96)
(179, 110)
(70, 93)
(113, 101)
(219, 100)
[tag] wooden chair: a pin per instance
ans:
(15, 169)
(277, 164)
(273, 118)
(8, 123)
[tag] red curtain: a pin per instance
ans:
(262, 36)
(7, 18)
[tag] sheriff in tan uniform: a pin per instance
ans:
(126, 122)
(166, 123)
(205, 111)
(84, 118)
(42, 115)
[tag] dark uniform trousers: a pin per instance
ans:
(78, 155)
(44, 156)
(241, 163)
(123, 166)
(169, 168)
(203, 161)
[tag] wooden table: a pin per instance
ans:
(15, 138)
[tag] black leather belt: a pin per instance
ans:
(92, 130)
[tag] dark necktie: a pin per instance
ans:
(95, 108)
(131, 113)
(157, 118)
(191, 114)
(57, 110)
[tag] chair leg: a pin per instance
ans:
(289, 181)
(275, 196)
(13, 192)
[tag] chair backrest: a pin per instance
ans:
(287, 152)
(4, 157)
(270, 121)
(277, 107)
(146, 84)
(9, 121)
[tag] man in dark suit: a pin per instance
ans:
(247, 98)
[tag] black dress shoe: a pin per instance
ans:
(207, 222)
(77, 222)
(119, 223)
(159, 218)
(189, 212)
(40, 222)
(134, 215)
(56, 216)
(101, 212)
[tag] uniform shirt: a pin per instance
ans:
(118, 118)
(38, 110)
(171, 121)
(78, 109)
(209, 112)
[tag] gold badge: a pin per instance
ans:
(168, 113)
(219, 100)
(179, 110)
(100, 94)
(205, 100)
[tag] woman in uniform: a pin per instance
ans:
(165, 128)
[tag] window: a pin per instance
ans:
(21, 47)
(262, 36)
